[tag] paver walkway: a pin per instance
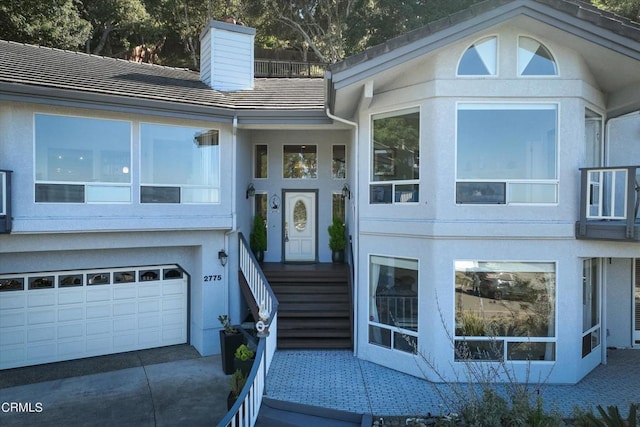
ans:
(338, 380)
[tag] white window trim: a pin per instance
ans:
(383, 115)
(391, 328)
(510, 339)
(475, 76)
(535, 76)
(180, 186)
(346, 176)
(254, 155)
(85, 184)
(299, 179)
(492, 105)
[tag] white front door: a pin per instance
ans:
(300, 226)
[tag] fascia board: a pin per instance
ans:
(571, 24)
(283, 117)
(61, 97)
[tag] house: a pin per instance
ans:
(486, 166)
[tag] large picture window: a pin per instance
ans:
(395, 157)
(393, 309)
(82, 160)
(507, 153)
(505, 310)
(179, 165)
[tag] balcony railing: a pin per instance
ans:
(5, 201)
(291, 69)
(609, 202)
(244, 412)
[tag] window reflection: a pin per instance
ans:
(512, 302)
(300, 161)
(393, 311)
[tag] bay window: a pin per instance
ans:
(395, 164)
(393, 308)
(505, 310)
(507, 153)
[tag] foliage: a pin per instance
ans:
(113, 22)
(611, 417)
(226, 324)
(53, 23)
(244, 353)
(337, 235)
(258, 236)
(330, 29)
(238, 380)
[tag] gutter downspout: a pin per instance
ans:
(356, 226)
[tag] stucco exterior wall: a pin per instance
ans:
(436, 231)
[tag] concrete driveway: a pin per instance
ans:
(159, 387)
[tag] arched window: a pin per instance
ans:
(534, 59)
(480, 59)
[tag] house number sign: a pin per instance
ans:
(213, 278)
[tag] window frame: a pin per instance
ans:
(496, 74)
(333, 160)
(302, 178)
(393, 183)
(505, 340)
(535, 76)
(392, 329)
(86, 185)
(179, 187)
(509, 182)
(255, 161)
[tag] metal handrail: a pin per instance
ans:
(245, 410)
(278, 68)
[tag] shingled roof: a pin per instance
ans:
(43, 67)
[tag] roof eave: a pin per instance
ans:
(130, 105)
(366, 65)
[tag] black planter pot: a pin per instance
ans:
(231, 399)
(244, 365)
(259, 256)
(228, 345)
(337, 256)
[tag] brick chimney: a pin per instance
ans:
(226, 56)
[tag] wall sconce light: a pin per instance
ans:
(222, 256)
(346, 192)
(251, 191)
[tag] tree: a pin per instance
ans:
(628, 8)
(54, 23)
(113, 16)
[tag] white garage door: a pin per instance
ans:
(53, 316)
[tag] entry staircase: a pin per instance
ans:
(314, 305)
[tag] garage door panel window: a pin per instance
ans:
(179, 164)
(82, 160)
(505, 310)
(511, 145)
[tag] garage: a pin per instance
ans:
(63, 315)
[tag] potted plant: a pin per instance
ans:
(238, 380)
(243, 360)
(230, 339)
(337, 240)
(258, 238)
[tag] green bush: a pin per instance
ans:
(337, 235)
(258, 236)
(244, 353)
